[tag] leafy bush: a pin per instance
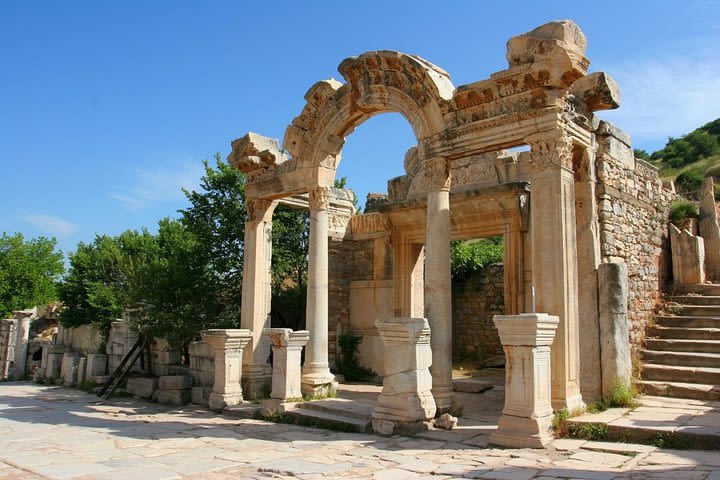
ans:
(682, 210)
(469, 257)
(690, 181)
(347, 363)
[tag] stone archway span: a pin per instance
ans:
(376, 82)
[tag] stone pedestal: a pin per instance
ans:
(54, 361)
(96, 365)
(527, 416)
(406, 402)
(286, 347)
(228, 345)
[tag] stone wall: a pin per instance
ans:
(474, 302)
(347, 261)
(84, 338)
(632, 214)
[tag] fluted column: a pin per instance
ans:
(316, 376)
(256, 295)
(438, 293)
(554, 257)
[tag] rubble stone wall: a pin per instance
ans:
(632, 214)
(474, 302)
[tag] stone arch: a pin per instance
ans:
(376, 82)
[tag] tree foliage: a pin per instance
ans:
(469, 257)
(188, 277)
(29, 271)
(701, 143)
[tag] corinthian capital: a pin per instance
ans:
(319, 198)
(550, 148)
(257, 208)
(436, 174)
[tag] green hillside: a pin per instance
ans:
(689, 159)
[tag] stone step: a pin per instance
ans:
(695, 299)
(685, 359)
(684, 333)
(682, 345)
(666, 422)
(697, 391)
(330, 421)
(699, 310)
(698, 289)
(340, 407)
(687, 321)
(670, 373)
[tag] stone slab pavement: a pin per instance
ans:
(61, 433)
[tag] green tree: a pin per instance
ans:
(102, 279)
(29, 272)
(689, 181)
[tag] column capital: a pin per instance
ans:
(258, 209)
(436, 174)
(285, 337)
(319, 198)
(553, 147)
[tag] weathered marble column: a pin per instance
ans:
(22, 335)
(228, 345)
(554, 257)
(438, 293)
(287, 347)
(256, 295)
(710, 229)
(588, 260)
(316, 376)
(527, 416)
(615, 362)
(406, 402)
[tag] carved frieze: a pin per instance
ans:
(257, 208)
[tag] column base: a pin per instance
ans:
(446, 402)
(571, 404)
(521, 432)
(317, 380)
(218, 401)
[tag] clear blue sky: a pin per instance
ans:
(108, 108)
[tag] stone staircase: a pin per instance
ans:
(681, 357)
(334, 414)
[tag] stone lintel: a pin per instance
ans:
(526, 329)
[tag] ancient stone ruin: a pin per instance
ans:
(519, 155)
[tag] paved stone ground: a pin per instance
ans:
(55, 432)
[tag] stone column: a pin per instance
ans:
(527, 416)
(710, 230)
(554, 257)
(438, 293)
(316, 376)
(614, 335)
(228, 345)
(406, 402)
(588, 259)
(22, 335)
(287, 347)
(256, 295)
